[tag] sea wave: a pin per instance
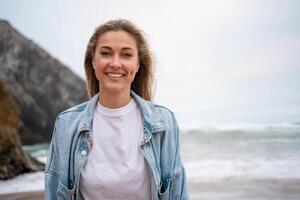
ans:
(255, 168)
(214, 126)
(23, 183)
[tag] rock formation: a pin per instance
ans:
(13, 161)
(40, 85)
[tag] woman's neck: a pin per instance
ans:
(114, 100)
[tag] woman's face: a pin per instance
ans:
(115, 61)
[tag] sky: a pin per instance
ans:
(233, 61)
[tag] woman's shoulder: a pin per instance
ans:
(72, 113)
(74, 109)
(152, 107)
(68, 120)
(162, 108)
(158, 112)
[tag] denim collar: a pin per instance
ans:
(153, 119)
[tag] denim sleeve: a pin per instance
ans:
(51, 170)
(178, 188)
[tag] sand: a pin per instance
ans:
(227, 189)
(23, 196)
(245, 189)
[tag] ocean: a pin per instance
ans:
(236, 162)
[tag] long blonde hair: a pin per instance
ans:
(142, 83)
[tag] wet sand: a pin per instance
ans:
(227, 189)
(245, 189)
(23, 196)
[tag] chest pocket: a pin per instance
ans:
(164, 189)
(63, 193)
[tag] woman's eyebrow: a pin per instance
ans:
(105, 47)
(127, 48)
(109, 48)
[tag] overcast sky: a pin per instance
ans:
(216, 61)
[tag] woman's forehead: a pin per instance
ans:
(117, 39)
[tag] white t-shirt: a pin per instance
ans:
(116, 168)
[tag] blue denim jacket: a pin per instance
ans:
(71, 140)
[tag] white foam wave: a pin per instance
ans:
(247, 168)
(23, 183)
(230, 126)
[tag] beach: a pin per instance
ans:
(249, 164)
(36, 195)
(235, 189)
(243, 189)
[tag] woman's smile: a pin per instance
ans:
(115, 75)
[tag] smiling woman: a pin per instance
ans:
(118, 145)
(115, 63)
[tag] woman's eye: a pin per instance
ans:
(105, 53)
(127, 55)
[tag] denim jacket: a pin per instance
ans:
(71, 140)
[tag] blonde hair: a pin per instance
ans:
(142, 83)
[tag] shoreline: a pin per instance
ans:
(225, 189)
(239, 188)
(34, 195)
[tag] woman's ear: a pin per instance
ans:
(93, 63)
(137, 68)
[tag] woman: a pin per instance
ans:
(118, 145)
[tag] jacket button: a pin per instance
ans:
(83, 152)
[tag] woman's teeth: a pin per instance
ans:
(115, 75)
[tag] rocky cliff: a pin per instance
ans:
(13, 160)
(40, 85)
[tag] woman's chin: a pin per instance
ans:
(115, 89)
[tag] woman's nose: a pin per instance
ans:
(116, 62)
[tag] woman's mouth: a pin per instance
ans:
(114, 75)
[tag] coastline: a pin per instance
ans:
(240, 188)
(225, 189)
(36, 195)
